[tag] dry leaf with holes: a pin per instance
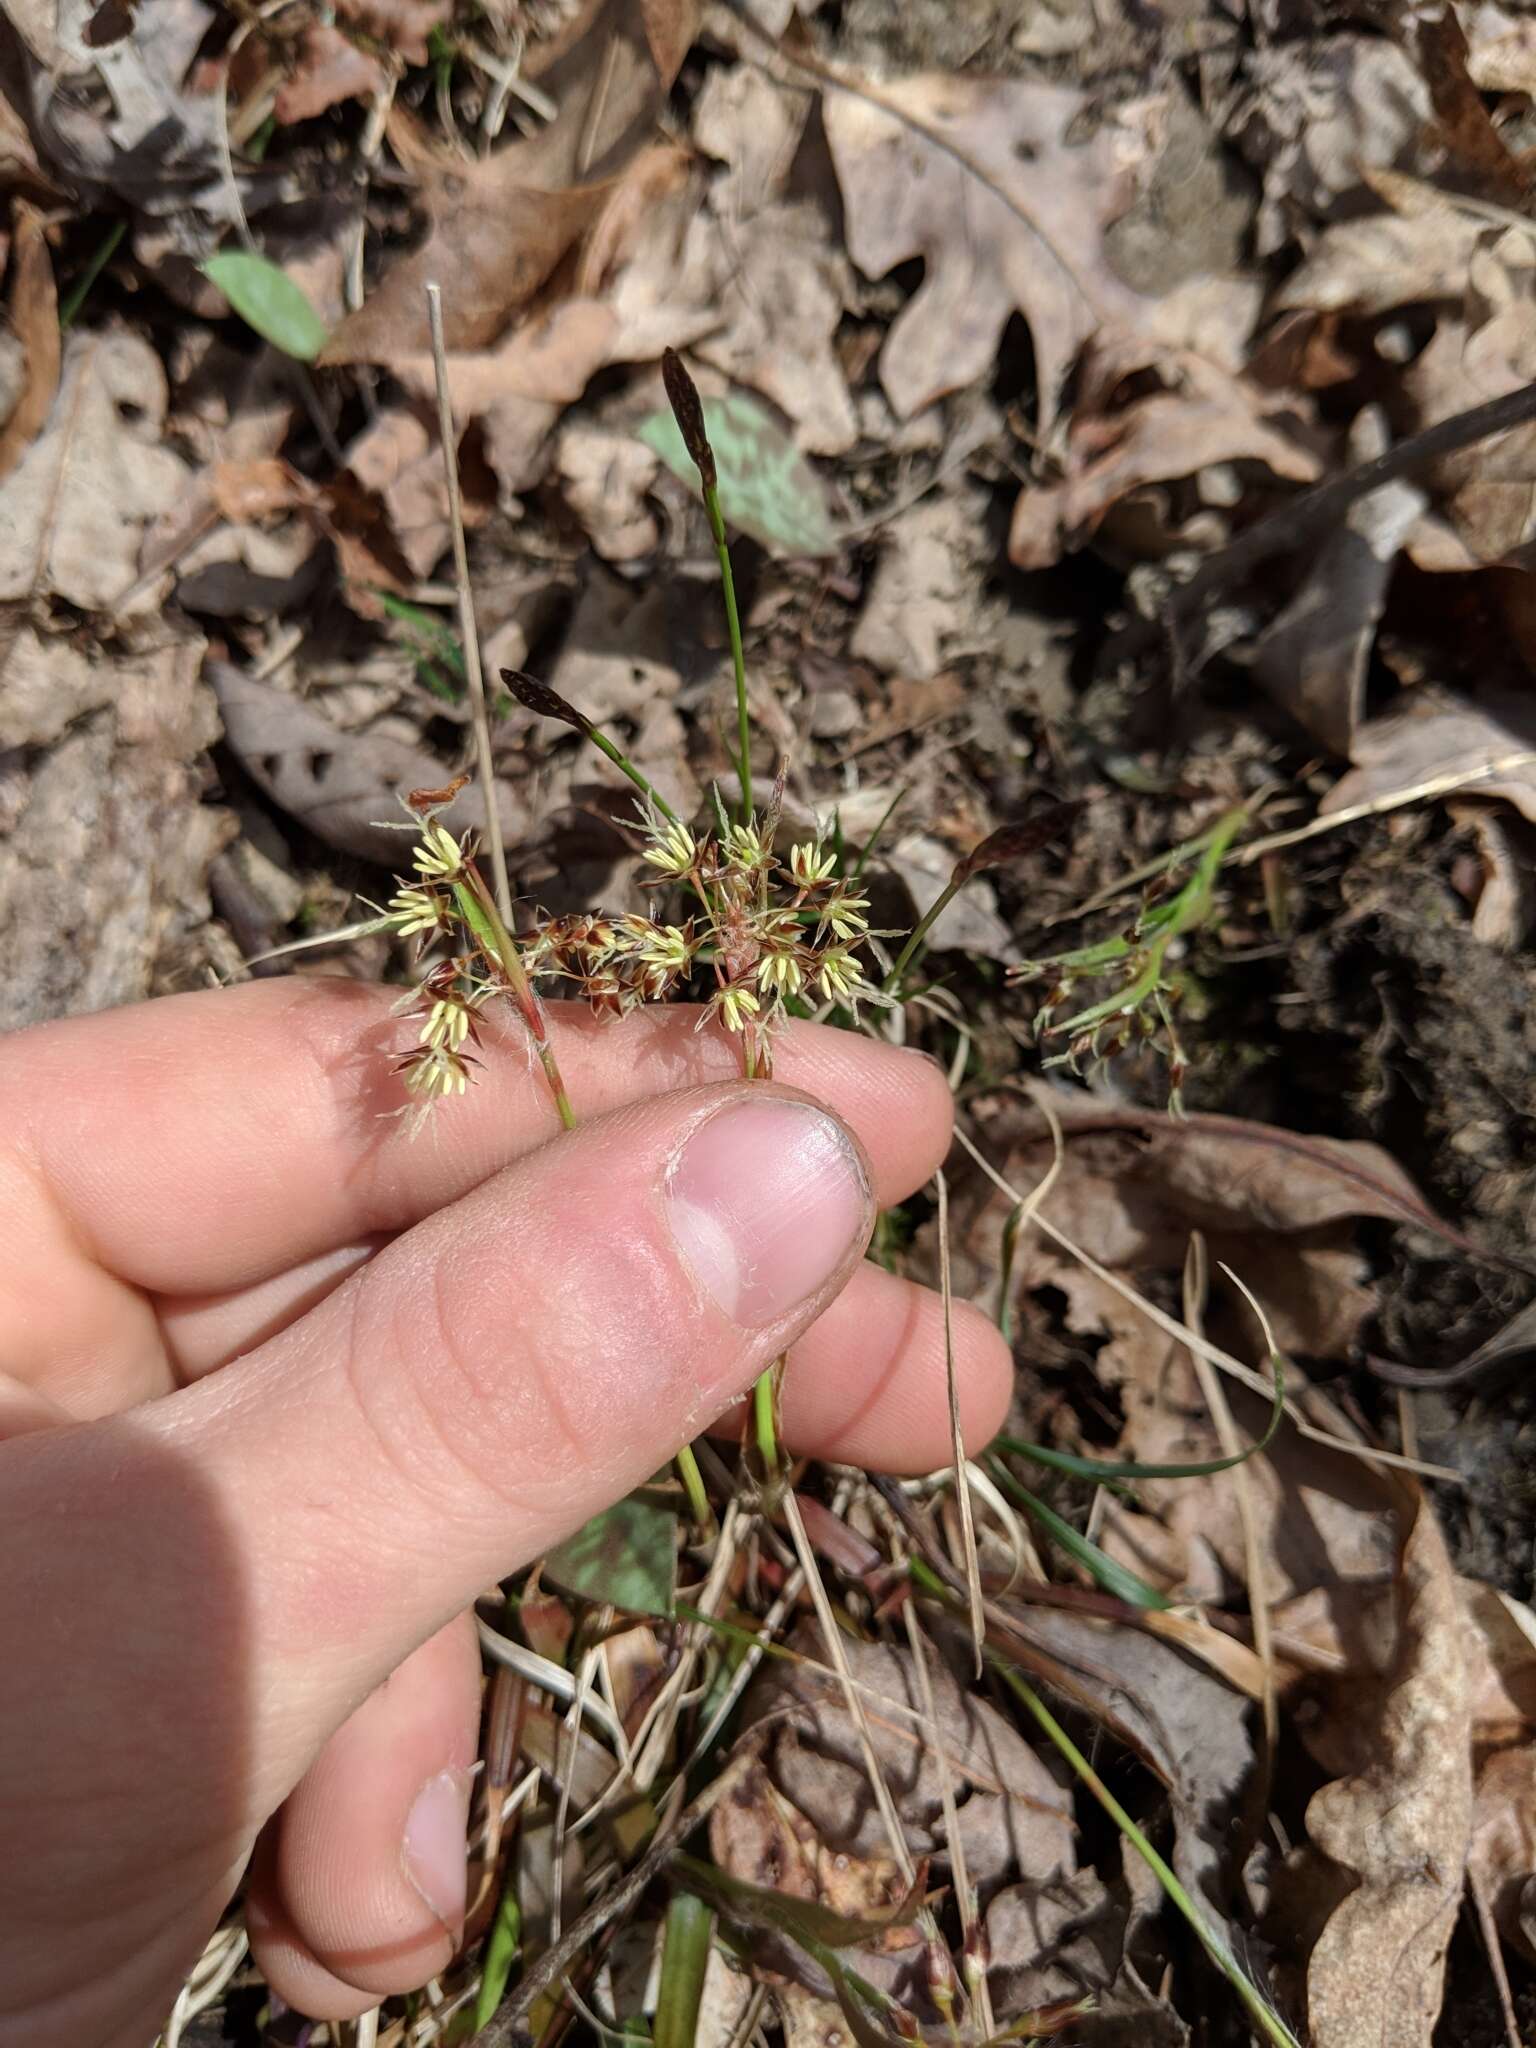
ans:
(985, 180)
(1397, 1828)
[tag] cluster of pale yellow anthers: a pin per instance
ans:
(771, 930)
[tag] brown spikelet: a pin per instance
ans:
(688, 411)
(424, 800)
(1012, 842)
(548, 703)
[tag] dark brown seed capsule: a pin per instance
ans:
(688, 411)
(548, 703)
(1012, 842)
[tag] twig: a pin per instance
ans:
(1392, 800)
(468, 632)
(957, 1438)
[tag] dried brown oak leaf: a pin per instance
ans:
(1399, 1828)
(980, 179)
(499, 227)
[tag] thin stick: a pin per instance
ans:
(837, 1657)
(468, 631)
(1392, 800)
(957, 1439)
(1196, 1287)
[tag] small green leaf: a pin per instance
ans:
(267, 299)
(767, 488)
(501, 1950)
(626, 1556)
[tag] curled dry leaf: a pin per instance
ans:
(916, 157)
(1066, 1939)
(923, 596)
(401, 25)
(1202, 416)
(1398, 1828)
(1313, 658)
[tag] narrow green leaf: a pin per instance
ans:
(1211, 1938)
(626, 1556)
(1106, 1572)
(501, 1948)
(1106, 1468)
(803, 1920)
(766, 486)
(684, 1959)
(268, 300)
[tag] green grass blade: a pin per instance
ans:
(1258, 2008)
(684, 1959)
(1106, 1572)
(1100, 1469)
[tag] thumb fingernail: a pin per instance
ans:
(767, 1201)
(435, 1851)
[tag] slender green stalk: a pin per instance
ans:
(921, 929)
(684, 1960)
(693, 1485)
(764, 1401)
(475, 906)
(1263, 2015)
(99, 258)
(738, 658)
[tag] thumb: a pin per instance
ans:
(505, 1369)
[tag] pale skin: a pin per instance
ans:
(282, 1392)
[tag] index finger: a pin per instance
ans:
(210, 1141)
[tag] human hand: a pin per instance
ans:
(281, 1392)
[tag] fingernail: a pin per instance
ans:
(767, 1200)
(435, 1849)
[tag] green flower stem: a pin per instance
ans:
(474, 904)
(920, 931)
(99, 258)
(764, 1401)
(622, 762)
(1264, 2017)
(738, 658)
(693, 1485)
